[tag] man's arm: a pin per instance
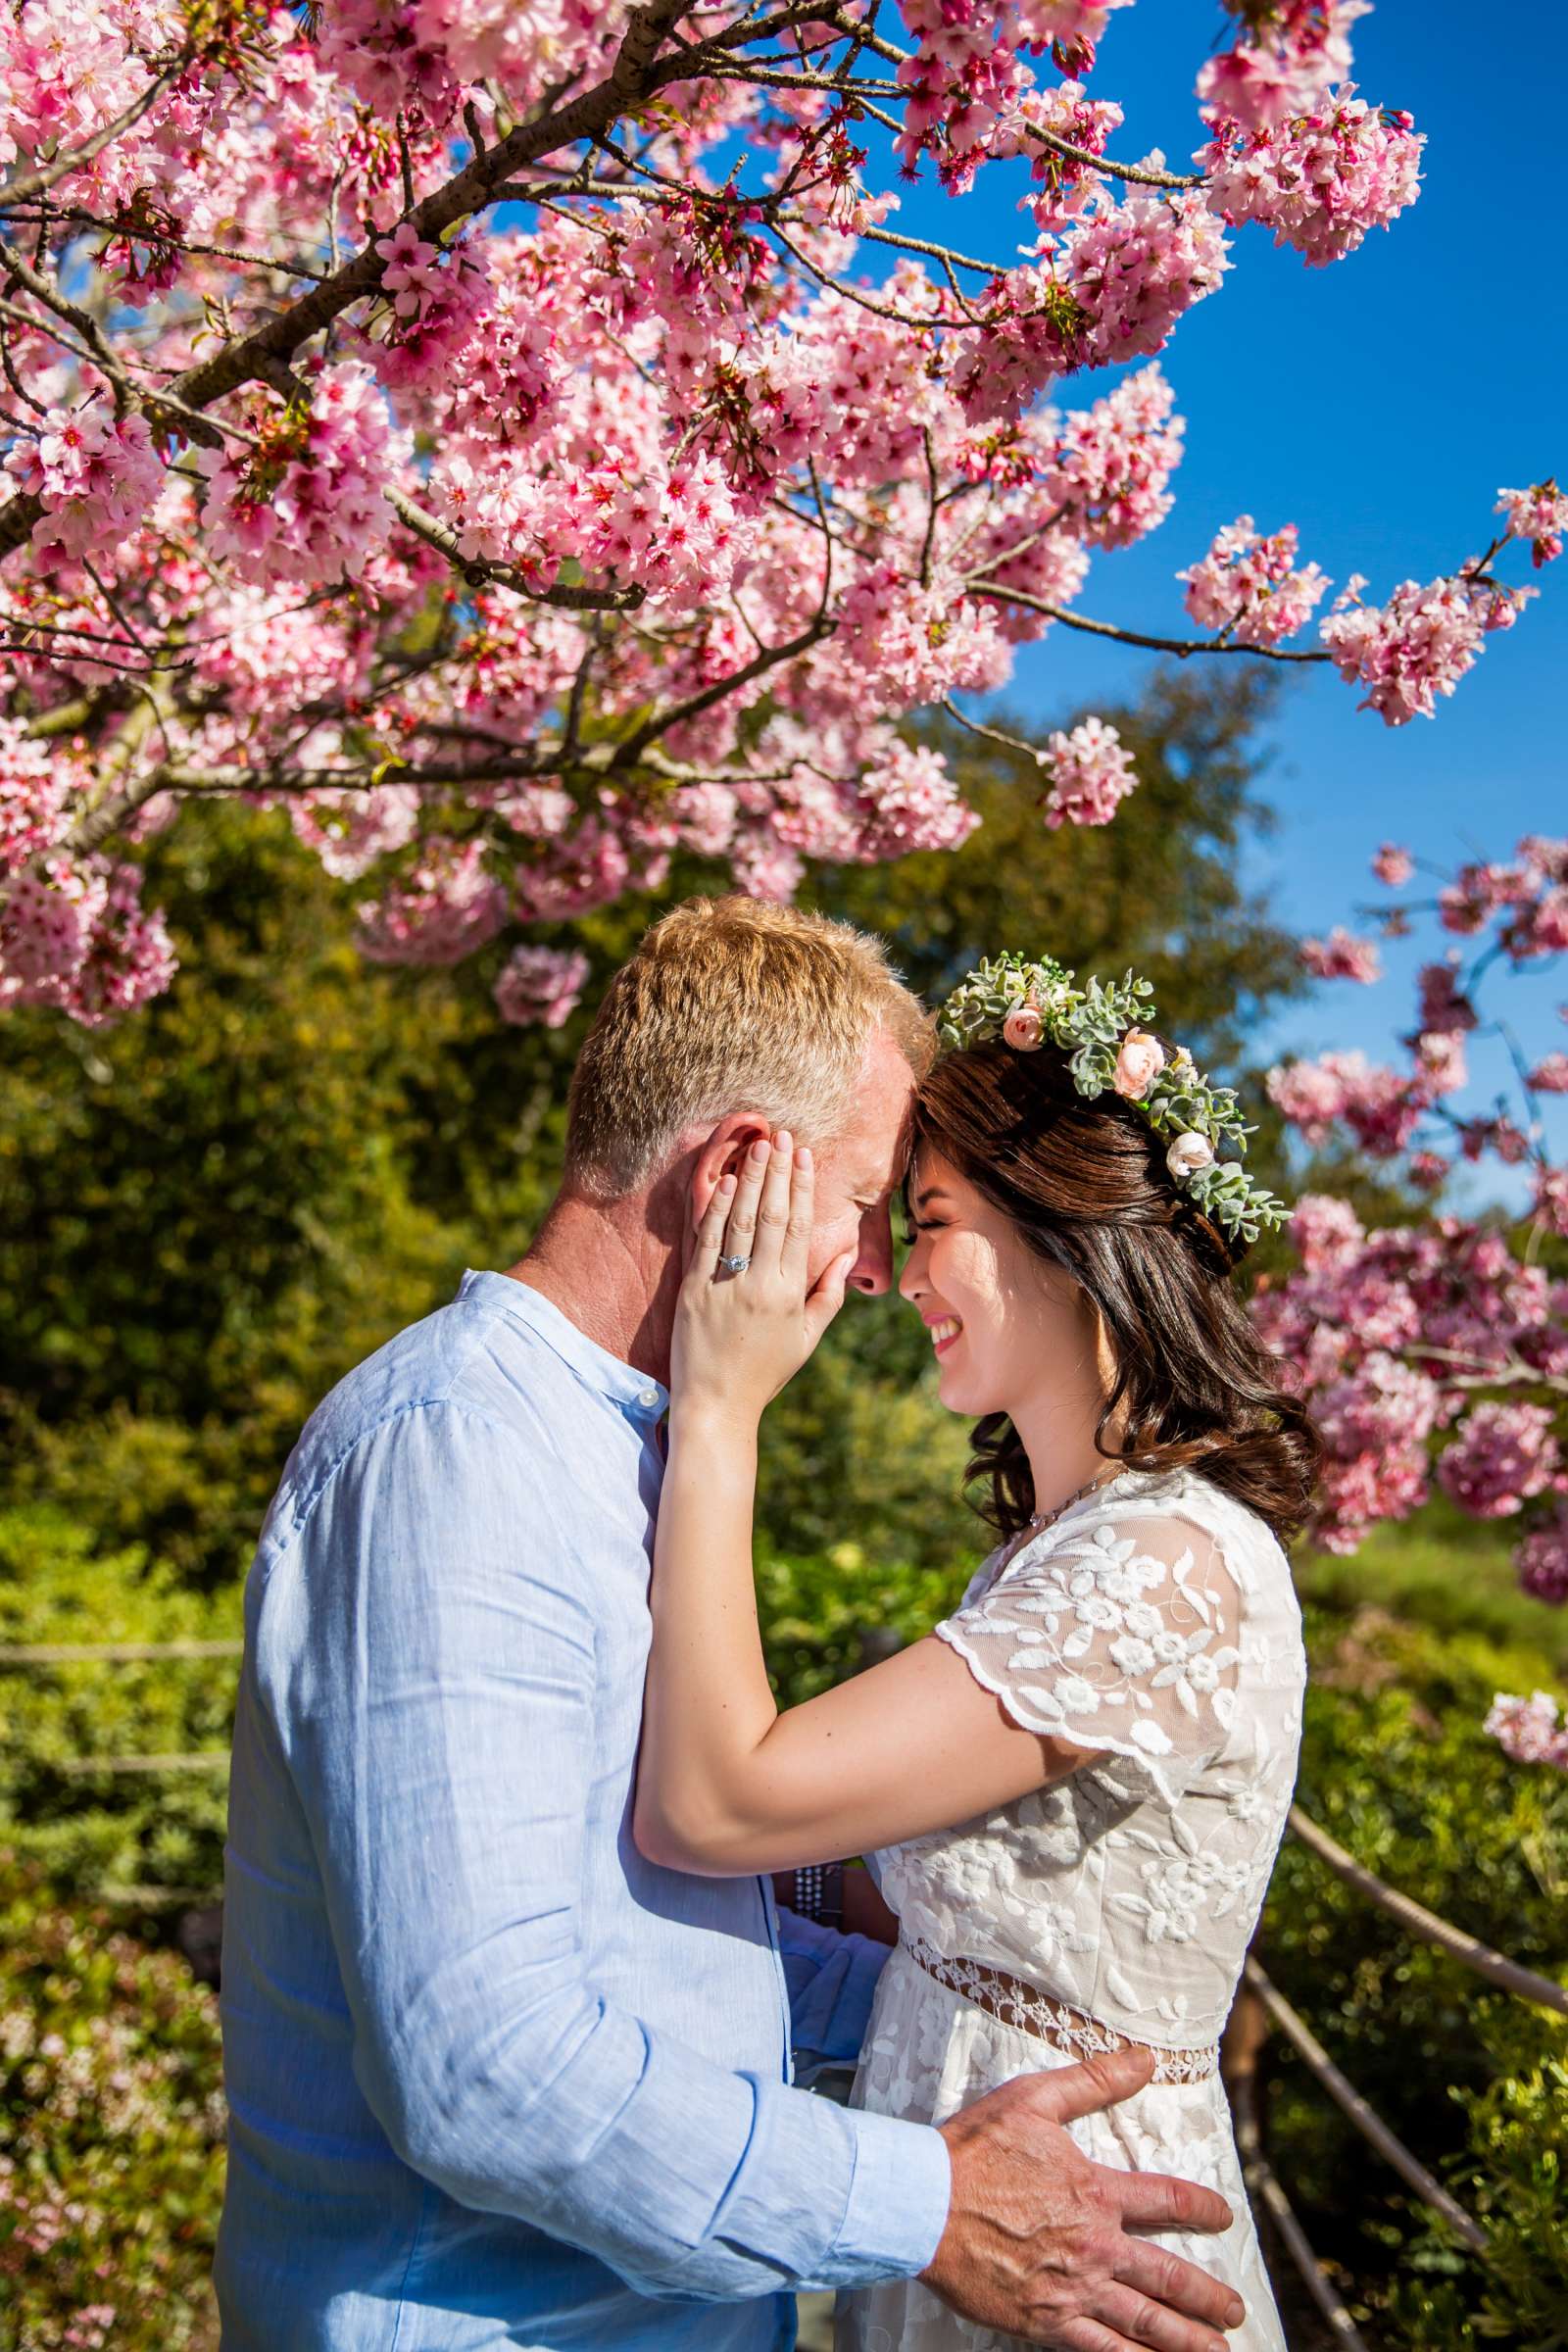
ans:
(434, 1686)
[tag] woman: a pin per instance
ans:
(1073, 1790)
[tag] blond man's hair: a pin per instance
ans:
(732, 1005)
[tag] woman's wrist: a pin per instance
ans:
(713, 1422)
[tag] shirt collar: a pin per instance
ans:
(638, 1394)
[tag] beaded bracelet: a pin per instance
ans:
(819, 1892)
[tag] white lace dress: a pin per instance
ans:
(1154, 1623)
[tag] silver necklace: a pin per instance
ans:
(1101, 1479)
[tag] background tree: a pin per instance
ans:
(207, 1214)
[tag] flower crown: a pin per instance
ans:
(1098, 1028)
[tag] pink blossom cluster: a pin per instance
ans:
(96, 476)
(435, 297)
(1379, 1107)
(1528, 1731)
(444, 906)
(307, 499)
(1542, 1559)
(1503, 1455)
(1393, 866)
(1081, 122)
(909, 802)
(350, 831)
(75, 936)
(1250, 587)
(1299, 49)
(541, 985)
(918, 644)
(1320, 180)
(1091, 774)
(1342, 956)
(1440, 1345)
(1109, 466)
(1407, 652)
(967, 74)
(34, 793)
(1111, 289)
(1538, 514)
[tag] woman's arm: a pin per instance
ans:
(725, 1784)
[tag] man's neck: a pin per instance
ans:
(609, 1277)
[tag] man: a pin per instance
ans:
(493, 2077)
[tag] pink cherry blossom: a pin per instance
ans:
(1342, 956)
(1541, 1559)
(1393, 865)
(1251, 588)
(95, 477)
(1296, 50)
(1320, 180)
(1091, 774)
(34, 789)
(306, 505)
(541, 984)
(1417, 646)
(1109, 465)
(1527, 1730)
(444, 908)
(1503, 1455)
(1538, 514)
(909, 802)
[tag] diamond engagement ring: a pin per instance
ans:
(734, 1266)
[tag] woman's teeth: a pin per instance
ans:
(947, 1329)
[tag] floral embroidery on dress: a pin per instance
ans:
(1154, 1629)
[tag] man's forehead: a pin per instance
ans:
(872, 1149)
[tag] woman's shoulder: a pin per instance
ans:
(1178, 1508)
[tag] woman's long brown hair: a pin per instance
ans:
(1085, 1183)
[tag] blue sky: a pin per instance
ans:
(1378, 403)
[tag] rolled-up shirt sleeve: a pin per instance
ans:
(430, 1676)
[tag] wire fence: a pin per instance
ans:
(1261, 2006)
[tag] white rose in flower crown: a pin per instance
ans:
(1023, 1029)
(1186, 1155)
(1137, 1064)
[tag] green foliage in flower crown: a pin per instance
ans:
(1089, 1024)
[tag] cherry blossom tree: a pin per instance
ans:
(517, 442)
(1437, 1349)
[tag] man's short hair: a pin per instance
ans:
(729, 1005)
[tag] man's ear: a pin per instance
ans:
(722, 1154)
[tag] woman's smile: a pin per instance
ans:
(943, 1330)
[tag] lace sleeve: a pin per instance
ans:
(1117, 1634)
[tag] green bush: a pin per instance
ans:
(111, 2136)
(1395, 1767)
(817, 1611)
(93, 1833)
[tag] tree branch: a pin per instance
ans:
(1181, 647)
(481, 572)
(1142, 175)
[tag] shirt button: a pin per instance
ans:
(648, 1397)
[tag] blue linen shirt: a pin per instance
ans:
(493, 2077)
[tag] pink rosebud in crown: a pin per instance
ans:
(1137, 1064)
(1023, 1029)
(1186, 1155)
